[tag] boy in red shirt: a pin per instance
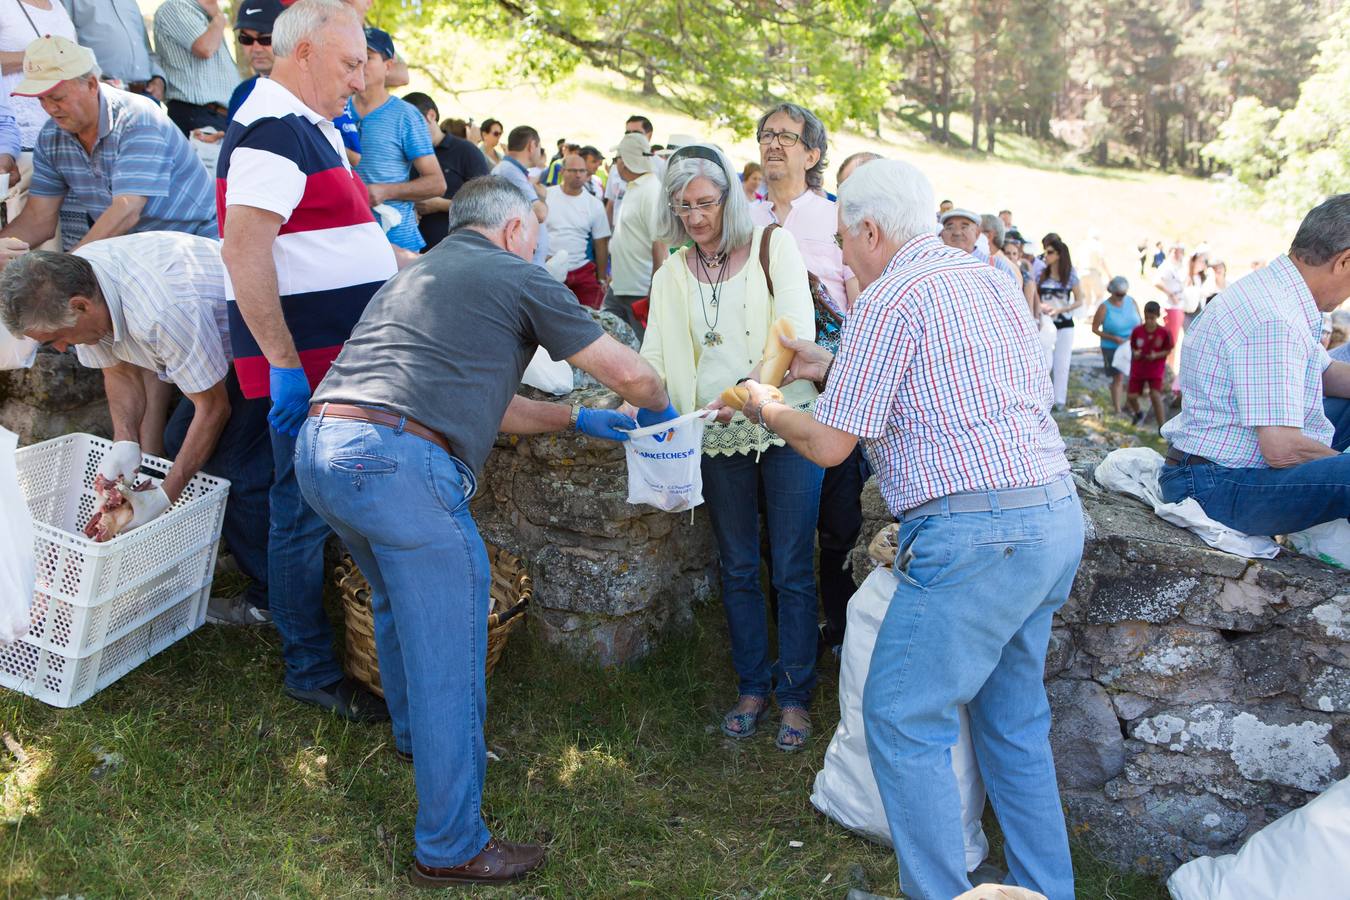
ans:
(1149, 345)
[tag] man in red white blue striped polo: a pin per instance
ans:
(303, 256)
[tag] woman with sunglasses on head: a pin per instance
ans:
(492, 136)
(710, 314)
(1059, 293)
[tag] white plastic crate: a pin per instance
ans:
(100, 610)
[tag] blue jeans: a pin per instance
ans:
(401, 505)
(1271, 501)
(792, 497)
(969, 624)
(295, 577)
(243, 456)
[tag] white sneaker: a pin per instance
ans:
(235, 611)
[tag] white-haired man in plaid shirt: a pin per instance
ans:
(1259, 442)
(941, 374)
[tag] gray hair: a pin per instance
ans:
(993, 224)
(855, 160)
(737, 229)
(813, 138)
(304, 20)
(1325, 232)
(488, 202)
(893, 194)
(95, 72)
(35, 290)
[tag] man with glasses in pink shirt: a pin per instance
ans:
(792, 148)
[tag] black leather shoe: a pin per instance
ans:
(498, 863)
(347, 699)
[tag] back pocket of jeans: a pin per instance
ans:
(364, 464)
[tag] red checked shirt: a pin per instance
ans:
(943, 376)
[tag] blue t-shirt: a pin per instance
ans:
(346, 125)
(392, 136)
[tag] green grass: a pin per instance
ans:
(227, 789)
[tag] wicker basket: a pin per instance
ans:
(511, 590)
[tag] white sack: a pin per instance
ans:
(546, 374)
(845, 789)
(1304, 855)
(1121, 359)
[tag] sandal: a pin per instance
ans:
(790, 739)
(746, 722)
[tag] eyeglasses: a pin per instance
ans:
(785, 138)
(497, 133)
(582, 171)
(706, 206)
(248, 40)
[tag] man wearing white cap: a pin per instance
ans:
(107, 163)
(960, 229)
(635, 250)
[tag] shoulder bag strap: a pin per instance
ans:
(764, 255)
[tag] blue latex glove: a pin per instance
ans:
(606, 424)
(647, 418)
(290, 400)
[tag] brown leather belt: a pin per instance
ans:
(1177, 457)
(380, 417)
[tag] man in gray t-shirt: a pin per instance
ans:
(390, 455)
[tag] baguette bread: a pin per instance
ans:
(737, 395)
(777, 358)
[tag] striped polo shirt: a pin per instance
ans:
(330, 254)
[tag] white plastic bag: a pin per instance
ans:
(16, 546)
(16, 352)
(665, 463)
(845, 789)
(547, 374)
(1303, 855)
(1329, 542)
(1121, 359)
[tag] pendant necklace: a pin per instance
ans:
(711, 338)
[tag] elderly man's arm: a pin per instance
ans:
(823, 444)
(1336, 379)
(125, 389)
(1283, 446)
(211, 410)
(119, 218)
(623, 372)
(32, 227)
(429, 184)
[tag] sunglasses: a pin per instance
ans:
(248, 40)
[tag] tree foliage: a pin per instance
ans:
(1291, 160)
(1145, 83)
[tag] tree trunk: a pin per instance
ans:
(988, 129)
(975, 125)
(648, 80)
(1162, 147)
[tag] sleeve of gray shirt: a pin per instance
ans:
(551, 315)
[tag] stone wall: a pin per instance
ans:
(1197, 696)
(56, 396)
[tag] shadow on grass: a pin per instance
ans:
(226, 788)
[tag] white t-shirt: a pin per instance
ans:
(635, 227)
(15, 36)
(572, 220)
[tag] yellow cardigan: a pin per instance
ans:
(669, 343)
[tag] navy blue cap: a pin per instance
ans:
(258, 15)
(380, 42)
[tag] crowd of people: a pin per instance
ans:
(348, 311)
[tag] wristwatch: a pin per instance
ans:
(576, 414)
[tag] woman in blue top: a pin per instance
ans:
(1115, 320)
(1059, 294)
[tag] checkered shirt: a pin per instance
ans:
(943, 376)
(1252, 359)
